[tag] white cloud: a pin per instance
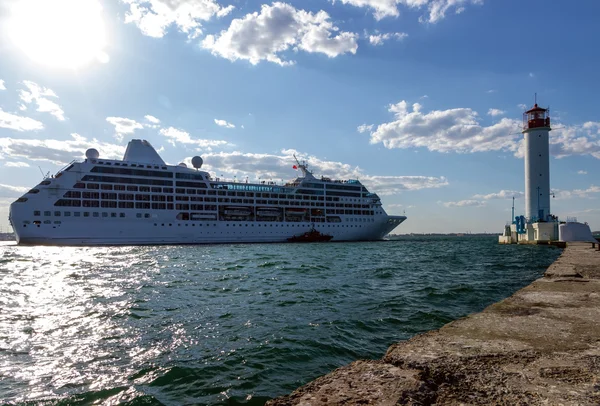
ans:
(582, 172)
(39, 95)
(175, 135)
(465, 203)
(522, 106)
(459, 130)
(152, 119)
(363, 128)
(278, 167)
(223, 123)
(503, 194)
(58, 152)
(496, 112)
(153, 17)
(276, 29)
(578, 193)
(18, 123)
(11, 191)
(491, 91)
(568, 140)
(17, 164)
(2, 87)
(531, 74)
(124, 126)
(379, 39)
(436, 9)
(455, 130)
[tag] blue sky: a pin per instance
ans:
(419, 99)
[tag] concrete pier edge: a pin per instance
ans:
(540, 346)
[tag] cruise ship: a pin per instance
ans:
(141, 200)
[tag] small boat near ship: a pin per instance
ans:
(311, 236)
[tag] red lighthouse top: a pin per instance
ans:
(537, 117)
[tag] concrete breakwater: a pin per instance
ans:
(541, 346)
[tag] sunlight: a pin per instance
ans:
(59, 33)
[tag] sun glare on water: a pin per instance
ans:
(59, 33)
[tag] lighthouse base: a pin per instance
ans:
(553, 233)
(532, 233)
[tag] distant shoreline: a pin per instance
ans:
(397, 236)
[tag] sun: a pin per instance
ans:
(59, 33)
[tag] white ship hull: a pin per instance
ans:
(101, 231)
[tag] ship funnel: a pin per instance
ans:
(141, 151)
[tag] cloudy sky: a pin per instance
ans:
(421, 100)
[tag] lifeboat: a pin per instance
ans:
(268, 212)
(237, 211)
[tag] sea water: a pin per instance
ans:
(230, 324)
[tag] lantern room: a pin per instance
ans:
(537, 117)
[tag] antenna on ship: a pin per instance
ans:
(44, 176)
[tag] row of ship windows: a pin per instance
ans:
(142, 172)
(25, 223)
(78, 214)
(176, 206)
(259, 225)
(124, 164)
(57, 213)
(154, 189)
(73, 199)
(196, 185)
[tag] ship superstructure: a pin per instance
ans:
(142, 200)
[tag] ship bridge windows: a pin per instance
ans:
(33, 191)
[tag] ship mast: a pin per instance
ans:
(303, 167)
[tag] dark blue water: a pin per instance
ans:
(230, 324)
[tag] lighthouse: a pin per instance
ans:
(538, 225)
(536, 131)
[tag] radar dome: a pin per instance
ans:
(92, 153)
(197, 162)
(183, 165)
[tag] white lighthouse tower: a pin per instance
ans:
(536, 129)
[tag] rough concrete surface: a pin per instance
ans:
(540, 346)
